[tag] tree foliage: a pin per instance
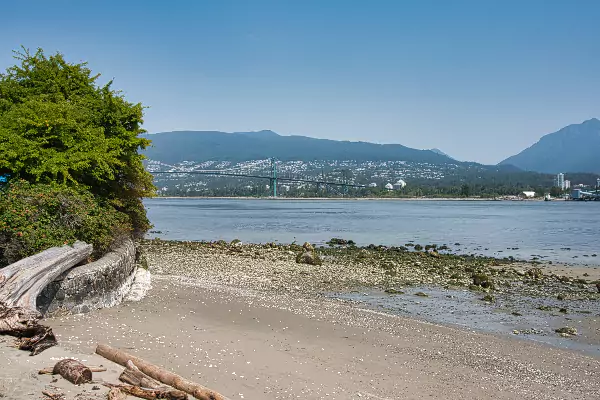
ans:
(34, 217)
(57, 124)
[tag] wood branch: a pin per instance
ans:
(53, 396)
(73, 371)
(168, 378)
(149, 394)
(116, 394)
(50, 370)
(20, 285)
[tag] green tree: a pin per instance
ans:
(465, 190)
(57, 124)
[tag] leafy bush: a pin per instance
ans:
(57, 124)
(36, 217)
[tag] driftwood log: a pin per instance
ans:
(50, 370)
(149, 394)
(168, 378)
(133, 376)
(73, 371)
(20, 285)
(116, 394)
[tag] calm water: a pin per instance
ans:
(502, 228)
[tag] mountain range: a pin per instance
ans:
(575, 148)
(179, 146)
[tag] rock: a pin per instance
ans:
(434, 253)
(308, 247)
(489, 298)
(566, 330)
(535, 273)
(308, 257)
(421, 294)
(598, 286)
(482, 280)
(393, 291)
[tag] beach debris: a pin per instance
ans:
(142, 393)
(20, 285)
(157, 373)
(566, 331)
(50, 370)
(133, 376)
(116, 394)
(73, 371)
(53, 396)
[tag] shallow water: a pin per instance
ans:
(566, 232)
(466, 309)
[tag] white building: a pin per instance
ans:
(529, 195)
(372, 184)
(567, 184)
(399, 185)
(559, 181)
(598, 183)
(389, 186)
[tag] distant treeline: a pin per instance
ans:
(487, 185)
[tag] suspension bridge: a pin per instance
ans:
(272, 177)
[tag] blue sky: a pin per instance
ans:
(479, 79)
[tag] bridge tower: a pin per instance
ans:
(273, 179)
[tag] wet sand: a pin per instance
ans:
(249, 345)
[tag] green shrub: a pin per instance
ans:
(36, 217)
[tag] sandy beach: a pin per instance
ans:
(257, 328)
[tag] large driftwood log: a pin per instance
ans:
(168, 378)
(22, 282)
(73, 371)
(149, 394)
(133, 376)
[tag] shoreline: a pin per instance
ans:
(250, 322)
(349, 198)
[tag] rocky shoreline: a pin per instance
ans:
(533, 298)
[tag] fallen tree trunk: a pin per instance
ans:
(22, 282)
(168, 378)
(149, 394)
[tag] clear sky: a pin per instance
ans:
(480, 79)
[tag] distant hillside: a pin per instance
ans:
(438, 151)
(575, 148)
(175, 147)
